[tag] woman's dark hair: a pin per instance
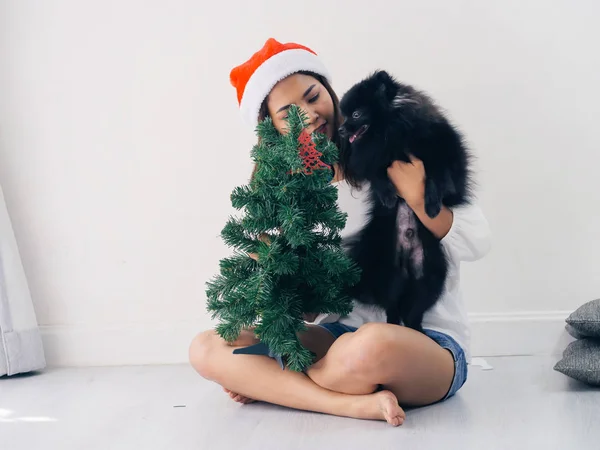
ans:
(337, 116)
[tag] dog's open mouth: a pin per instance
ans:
(362, 130)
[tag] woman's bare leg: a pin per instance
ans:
(315, 340)
(261, 378)
(408, 363)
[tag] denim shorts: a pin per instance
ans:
(443, 340)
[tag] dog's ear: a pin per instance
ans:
(385, 89)
(383, 77)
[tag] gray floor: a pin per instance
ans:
(520, 404)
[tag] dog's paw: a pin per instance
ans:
(418, 328)
(388, 198)
(385, 192)
(433, 208)
(414, 323)
(433, 201)
(390, 201)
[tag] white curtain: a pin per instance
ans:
(20, 341)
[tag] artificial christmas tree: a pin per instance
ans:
(291, 222)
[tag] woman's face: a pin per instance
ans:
(309, 95)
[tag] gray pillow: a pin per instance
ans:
(585, 320)
(581, 361)
(573, 332)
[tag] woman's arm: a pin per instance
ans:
(440, 225)
(464, 231)
(409, 180)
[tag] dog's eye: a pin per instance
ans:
(356, 115)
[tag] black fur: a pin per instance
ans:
(399, 121)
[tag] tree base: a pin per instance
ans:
(260, 349)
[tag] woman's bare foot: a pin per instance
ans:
(380, 406)
(239, 398)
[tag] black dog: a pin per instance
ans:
(403, 264)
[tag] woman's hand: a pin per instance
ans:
(409, 181)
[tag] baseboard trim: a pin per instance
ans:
(495, 334)
(519, 334)
(119, 344)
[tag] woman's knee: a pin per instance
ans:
(201, 352)
(370, 349)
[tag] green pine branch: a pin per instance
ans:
(301, 266)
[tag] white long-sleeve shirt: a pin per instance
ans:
(467, 240)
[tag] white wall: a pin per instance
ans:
(120, 142)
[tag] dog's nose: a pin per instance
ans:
(342, 131)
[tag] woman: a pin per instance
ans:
(364, 368)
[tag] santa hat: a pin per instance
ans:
(255, 78)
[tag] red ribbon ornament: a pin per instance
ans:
(311, 157)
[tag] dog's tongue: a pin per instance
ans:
(352, 138)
